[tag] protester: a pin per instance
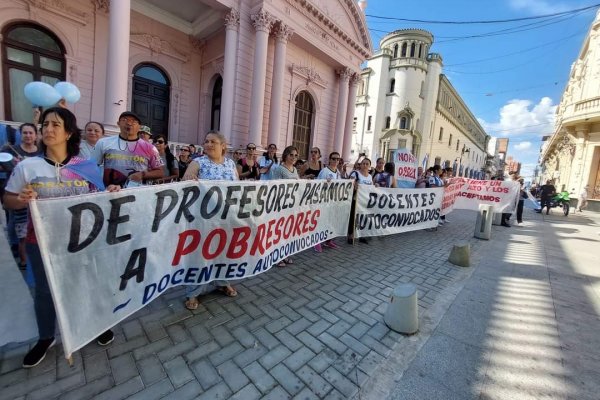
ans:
(17, 219)
(128, 160)
(247, 167)
(547, 191)
(237, 156)
(170, 164)
(184, 160)
(286, 170)
(212, 166)
(342, 168)
(32, 179)
(379, 164)
(422, 180)
(145, 133)
(94, 131)
(582, 200)
(521, 203)
(360, 177)
(313, 166)
(330, 172)
(267, 162)
(386, 177)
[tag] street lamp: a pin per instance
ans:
(462, 153)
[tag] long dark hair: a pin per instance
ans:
(168, 155)
(266, 153)
(287, 151)
(70, 125)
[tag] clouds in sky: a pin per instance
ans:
(539, 7)
(519, 116)
(523, 146)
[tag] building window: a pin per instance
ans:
(403, 52)
(420, 49)
(30, 53)
(303, 121)
(412, 50)
(215, 107)
(457, 144)
(396, 50)
(438, 161)
(405, 123)
(441, 137)
(450, 140)
(388, 121)
(392, 85)
(354, 124)
(369, 120)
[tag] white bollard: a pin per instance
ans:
(483, 226)
(402, 314)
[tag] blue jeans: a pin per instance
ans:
(45, 314)
(195, 291)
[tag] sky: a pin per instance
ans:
(511, 78)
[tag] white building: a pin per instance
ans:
(404, 100)
(571, 156)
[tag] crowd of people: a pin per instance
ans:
(136, 156)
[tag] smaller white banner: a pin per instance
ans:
(386, 211)
(405, 165)
(502, 195)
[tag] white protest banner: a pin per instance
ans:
(385, 211)
(501, 195)
(450, 193)
(109, 254)
(405, 165)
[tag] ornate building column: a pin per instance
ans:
(232, 25)
(340, 119)
(282, 34)
(577, 179)
(117, 61)
(348, 132)
(262, 21)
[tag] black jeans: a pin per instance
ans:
(520, 211)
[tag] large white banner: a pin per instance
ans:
(502, 195)
(385, 211)
(109, 254)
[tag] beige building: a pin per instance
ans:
(405, 101)
(571, 156)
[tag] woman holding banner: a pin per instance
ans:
(386, 178)
(286, 170)
(213, 165)
(361, 176)
(59, 172)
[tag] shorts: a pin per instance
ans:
(21, 230)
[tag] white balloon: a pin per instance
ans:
(68, 91)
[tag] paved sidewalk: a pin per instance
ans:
(311, 330)
(524, 326)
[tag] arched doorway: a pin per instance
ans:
(29, 53)
(303, 118)
(150, 97)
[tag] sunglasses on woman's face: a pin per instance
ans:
(159, 142)
(237, 154)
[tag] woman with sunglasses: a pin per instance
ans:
(247, 167)
(361, 176)
(213, 165)
(184, 160)
(58, 172)
(313, 166)
(330, 172)
(286, 170)
(267, 162)
(170, 164)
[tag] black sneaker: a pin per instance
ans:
(106, 338)
(38, 353)
(363, 240)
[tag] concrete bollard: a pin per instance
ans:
(483, 226)
(497, 219)
(402, 314)
(460, 255)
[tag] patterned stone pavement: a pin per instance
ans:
(313, 330)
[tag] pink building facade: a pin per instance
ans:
(277, 71)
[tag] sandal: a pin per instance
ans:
(228, 291)
(281, 264)
(192, 304)
(288, 261)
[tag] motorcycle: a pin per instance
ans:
(559, 200)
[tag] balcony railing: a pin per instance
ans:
(588, 105)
